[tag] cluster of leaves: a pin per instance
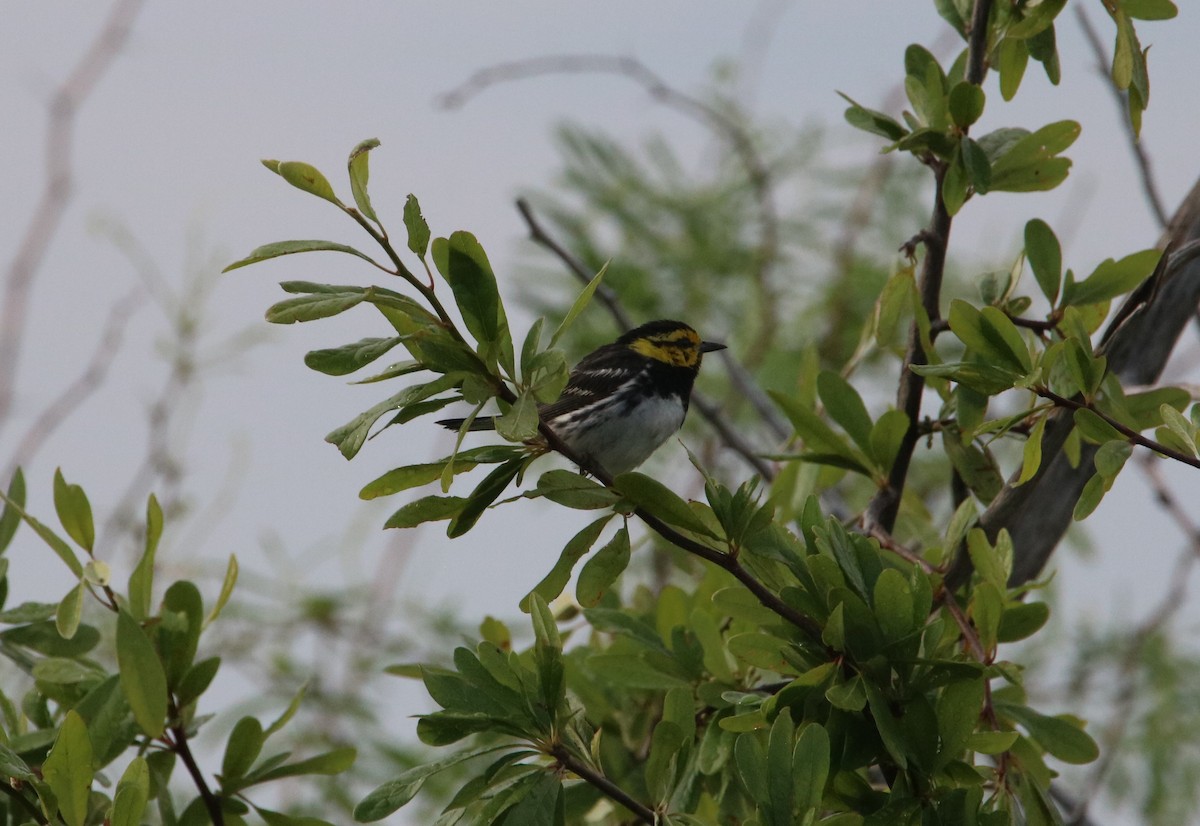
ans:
(89, 706)
(809, 673)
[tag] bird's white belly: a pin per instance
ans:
(623, 443)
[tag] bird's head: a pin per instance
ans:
(671, 342)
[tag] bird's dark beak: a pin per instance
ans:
(709, 346)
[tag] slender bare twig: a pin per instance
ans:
(608, 788)
(47, 215)
(706, 407)
(84, 385)
(1149, 187)
(885, 505)
(1126, 431)
(725, 126)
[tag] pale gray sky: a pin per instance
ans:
(169, 146)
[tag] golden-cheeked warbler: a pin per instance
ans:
(623, 400)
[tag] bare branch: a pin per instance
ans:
(56, 192)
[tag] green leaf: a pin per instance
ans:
(991, 334)
(810, 766)
(958, 711)
(581, 302)
(574, 490)
(1061, 736)
(331, 762)
(474, 285)
(1012, 58)
(141, 581)
(418, 229)
(278, 248)
(74, 511)
(390, 796)
(659, 500)
(886, 436)
(341, 361)
(987, 605)
(1113, 278)
(1032, 459)
(1031, 164)
(1021, 620)
(179, 632)
(602, 570)
(132, 794)
(426, 509)
(1179, 426)
(143, 680)
(312, 307)
(956, 183)
(552, 584)
(359, 175)
(308, 178)
(1089, 498)
(819, 437)
(197, 680)
(890, 730)
(845, 406)
(350, 437)
(69, 613)
(848, 696)
(869, 120)
(242, 749)
(227, 586)
(56, 542)
(520, 421)
(751, 765)
(1094, 428)
(1150, 9)
(966, 104)
(411, 476)
(10, 520)
(485, 493)
(1044, 254)
(69, 769)
(893, 603)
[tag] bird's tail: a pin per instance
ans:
(480, 423)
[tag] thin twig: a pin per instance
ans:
(1149, 187)
(1126, 431)
(608, 788)
(888, 542)
(34, 812)
(47, 215)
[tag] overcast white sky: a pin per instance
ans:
(169, 146)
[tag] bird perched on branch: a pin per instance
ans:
(623, 400)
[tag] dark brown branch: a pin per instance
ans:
(1153, 198)
(885, 505)
(608, 788)
(179, 744)
(52, 205)
(1126, 431)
